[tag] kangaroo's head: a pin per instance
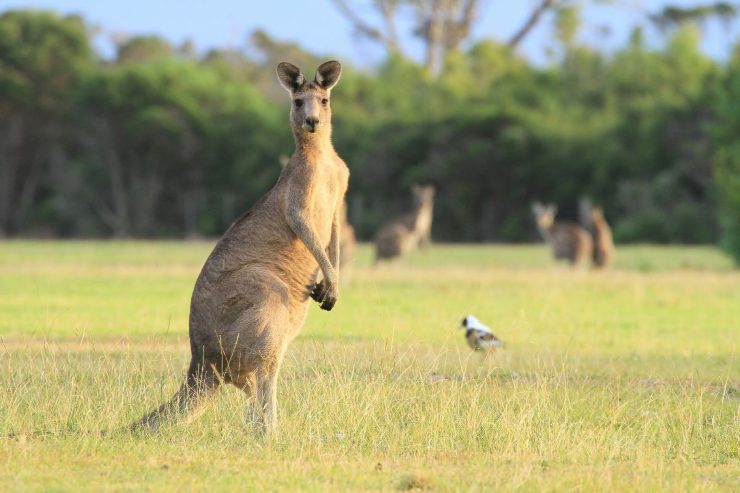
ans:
(597, 215)
(310, 111)
(423, 195)
(544, 215)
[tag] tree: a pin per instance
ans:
(672, 17)
(165, 142)
(162, 143)
(143, 49)
(270, 52)
(443, 25)
(725, 131)
(42, 57)
(542, 7)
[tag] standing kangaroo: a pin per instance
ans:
(251, 297)
(410, 230)
(603, 241)
(567, 240)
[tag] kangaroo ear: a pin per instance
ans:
(290, 76)
(327, 75)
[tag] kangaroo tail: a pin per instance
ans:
(174, 407)
(186, 403)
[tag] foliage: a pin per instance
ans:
(161, 142)
(674, 16)
(180, 155)
(726, 131)
(43, 57)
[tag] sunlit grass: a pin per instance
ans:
(623, 380)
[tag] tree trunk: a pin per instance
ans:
(10, 158)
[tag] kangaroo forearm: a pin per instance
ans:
(324, 263)
(309, 239)
(334, 246)
(334, 256)
(304, 232)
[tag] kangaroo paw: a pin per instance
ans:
(319, 291)
(328, 303)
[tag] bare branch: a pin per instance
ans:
(389, 16)
(442, 25)
(532, 21)
(459, 30)
(389, 39)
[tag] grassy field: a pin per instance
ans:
(626, 380)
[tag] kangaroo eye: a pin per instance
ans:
(298, 103)
(324, 101)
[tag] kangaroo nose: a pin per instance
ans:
(311, 123)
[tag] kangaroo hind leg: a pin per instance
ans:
(261, 414)
(261, 411)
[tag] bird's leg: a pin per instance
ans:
(484, 355)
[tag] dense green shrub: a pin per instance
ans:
(726, 133)
(160, 142)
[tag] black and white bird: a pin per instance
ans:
(479, 335)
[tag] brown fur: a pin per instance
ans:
(568, 241)
(347, 238)
(347, 244)
(603, 241)
(408, 231)
(252, 295)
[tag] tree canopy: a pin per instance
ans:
(161, 141)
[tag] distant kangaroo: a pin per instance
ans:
(408, 231)
(567, 240)
(251, 297)
(603, 241)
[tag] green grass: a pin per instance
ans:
(625, 380)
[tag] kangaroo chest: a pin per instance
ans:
(325, 198)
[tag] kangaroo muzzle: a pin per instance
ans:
(310, 124)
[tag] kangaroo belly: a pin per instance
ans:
(258, 274)
(245, 320)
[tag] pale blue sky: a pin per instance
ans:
(318, 26)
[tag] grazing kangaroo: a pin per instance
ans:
(408, 231)
(603, 241)
(251, 297)
(567, 240)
